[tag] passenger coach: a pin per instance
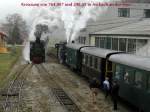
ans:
(131, 71)
(74, 56)
(133, 74)
(95, 63)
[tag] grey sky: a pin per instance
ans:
(14, 6)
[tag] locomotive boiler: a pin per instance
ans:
(37, 47)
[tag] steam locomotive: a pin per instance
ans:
(131, 71)
(37, 47)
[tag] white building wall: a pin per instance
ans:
(137, 13)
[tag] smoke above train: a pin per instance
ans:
(63, 22)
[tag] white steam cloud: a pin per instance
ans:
(69, 18)
(143, 49)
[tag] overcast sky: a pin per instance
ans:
(14, 6)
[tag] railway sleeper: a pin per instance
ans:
(10, 94)
(65, 100)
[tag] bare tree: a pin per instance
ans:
(16, 28)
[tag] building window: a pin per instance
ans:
(108, 42)
(114, 43)
(97, 41)
(131, 45)
(102, 42)
(82, 40)
(79, 39)
(147, 13)
(122, 44)
(123, 12)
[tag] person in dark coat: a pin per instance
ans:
(93, 87)
(114, 93)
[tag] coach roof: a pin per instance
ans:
(132, 60)
(75, 46)
(99, 52)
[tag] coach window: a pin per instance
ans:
(119, 72)
(129, 75)
(86, 59)
(138, 79)
(95, 63)
(90, 61)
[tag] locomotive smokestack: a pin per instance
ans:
(38, 36)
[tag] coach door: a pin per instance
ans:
(109, 72)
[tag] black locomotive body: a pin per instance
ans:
(37, 52)
(37, 47)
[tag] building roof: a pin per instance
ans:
(138, 28)
(3, 35)
(137, 61)
(108, 22)
(111, 24)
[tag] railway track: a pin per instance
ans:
(58, 92)
(13, 97)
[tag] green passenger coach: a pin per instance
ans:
(133, 75)
(131, 71)
(73, 56)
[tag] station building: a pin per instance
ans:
(120, 28)
(3, 48)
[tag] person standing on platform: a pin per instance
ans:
(114, 93)
(93, 87)
(106, 86)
